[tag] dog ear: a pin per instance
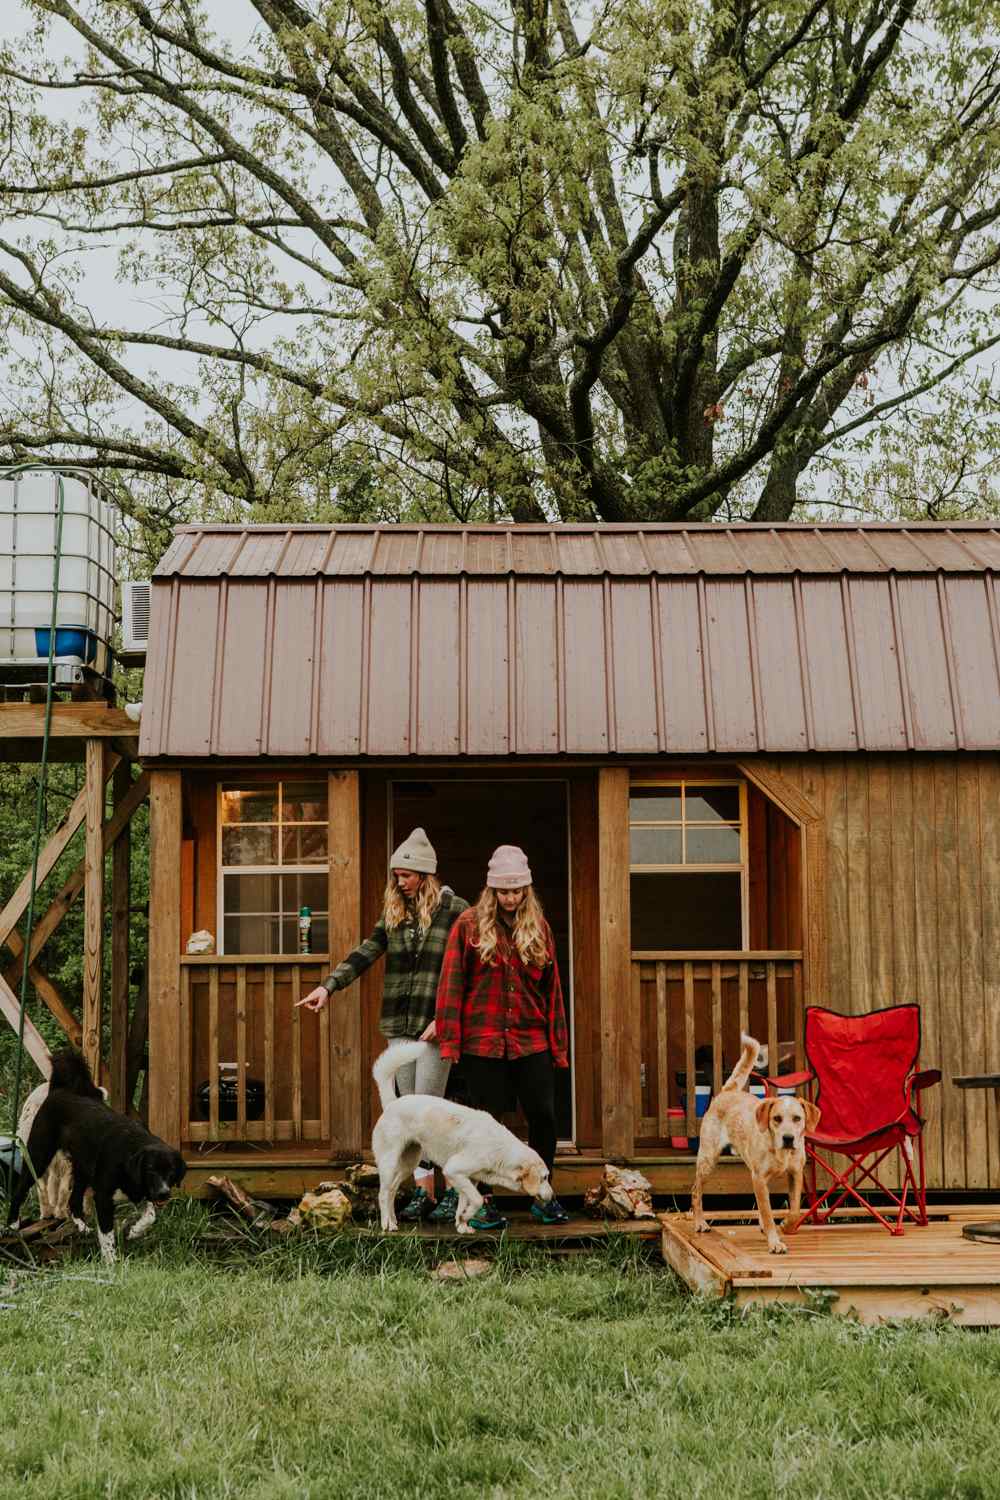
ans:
(762, 1114)
(812, 1115)
(132, 1170)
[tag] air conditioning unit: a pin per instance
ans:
(135, 617)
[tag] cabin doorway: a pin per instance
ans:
(466, 820)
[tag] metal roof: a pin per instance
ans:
(577, 640)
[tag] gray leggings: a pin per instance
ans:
(426, 1075)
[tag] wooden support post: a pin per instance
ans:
(93, 907)
(164, 954)
(345, 929)
(120, 881)
(619, 1022)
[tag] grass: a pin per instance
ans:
(339, 1367)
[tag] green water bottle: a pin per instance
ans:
(305, 929)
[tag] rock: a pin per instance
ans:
(461, 1270)
(622, 1193)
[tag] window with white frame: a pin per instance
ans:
(688, 865)
(272, 862)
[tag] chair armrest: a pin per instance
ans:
(925, 1079)
(792, 1080)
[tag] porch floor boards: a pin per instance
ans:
(930, 1272)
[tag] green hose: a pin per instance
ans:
(43, 777)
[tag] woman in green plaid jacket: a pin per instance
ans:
(412, 932)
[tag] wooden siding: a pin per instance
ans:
(913, 913)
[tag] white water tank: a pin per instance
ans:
(85, 606)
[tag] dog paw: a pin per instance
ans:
(81, 1226)
(464, 1228)
(777, 1246)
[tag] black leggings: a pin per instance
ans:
(491, 1080)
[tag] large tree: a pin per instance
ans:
(641, 259)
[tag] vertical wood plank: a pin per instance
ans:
(858, 888)
(949, 967)
(213, 1051)
(269, 1052)
(716, 1026)
(880, 943)
(346, 1063)
(662, 1051)
(93, 906)
(619, 1019)
(241, 1051)
(925, 881)
(296, 1055)
(120, 882)
(324, 1072)
(970, 946)
(989, 796)
(585, 890)
(799, 1016)
(164, 953)
(185, 1056)
(772, 1014)
(839, 929)
(690, 1080)
(638, 1110)
(744, 1002)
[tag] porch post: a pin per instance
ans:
(345, 929)
(619, 1022)
(120, 900)
(93, 906)
(164, 955)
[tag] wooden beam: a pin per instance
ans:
(121, 868)
(54, 846)
(34, 1042)
(619, 1023)
(345, 929)
(45, 988)
(79, 721)
(93, 907)
(164, 954)
(46, 926)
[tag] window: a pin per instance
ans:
(273, 861)
(688, 865)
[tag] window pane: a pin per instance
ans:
(304, 890)
(258, 804)
(700, 911)
(712, 804)
(304, 844)
(249, 846)
(655, 846)
(713, 846)
(250, 893)
(655, 805)
(303, 802)
(251, 934)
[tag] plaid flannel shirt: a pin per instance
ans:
(412, 966)
(503, 1009)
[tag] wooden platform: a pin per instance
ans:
(925, 1273)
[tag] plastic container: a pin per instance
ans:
(85, 607)
(702, 1099)
(305, 929)
(678, 1141)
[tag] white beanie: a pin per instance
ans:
(508, 869)
(415, 853)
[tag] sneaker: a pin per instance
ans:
(418, 1208)
(550, 1213)
(488, 1218)
(444, 1211)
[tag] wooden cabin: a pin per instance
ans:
(753, 767)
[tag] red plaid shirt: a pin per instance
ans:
(503, 1009)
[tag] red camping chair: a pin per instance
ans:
(866, 1085)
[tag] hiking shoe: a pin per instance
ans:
(550, 1213)
(488, 1218)
(418, 1208)
(444, 1211)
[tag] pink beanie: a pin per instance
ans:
(508, 869)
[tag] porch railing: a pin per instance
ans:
(242, 1010)
(688, 999)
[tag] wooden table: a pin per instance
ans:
(990, 1230)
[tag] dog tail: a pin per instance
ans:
(70, 1072)
(388, 1064)
(746, 1065)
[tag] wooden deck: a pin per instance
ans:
(871, 1275)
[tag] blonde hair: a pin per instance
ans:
(427, 903)
(530, 936)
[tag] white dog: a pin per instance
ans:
(467, 1144)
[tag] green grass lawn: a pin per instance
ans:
(339, 1369)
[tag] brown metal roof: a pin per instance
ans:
(577, 640)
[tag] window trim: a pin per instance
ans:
(732, 867)
(223, 870)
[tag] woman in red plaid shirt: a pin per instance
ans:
(500, 1010)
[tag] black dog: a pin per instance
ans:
(109, 1152)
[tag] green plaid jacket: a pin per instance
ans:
(412, 966)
